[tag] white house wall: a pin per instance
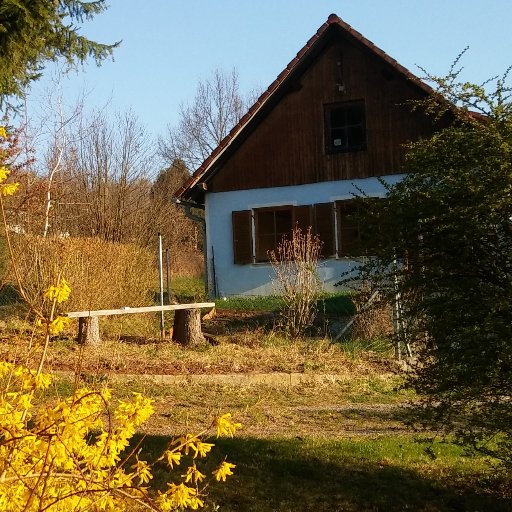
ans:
(256, 279)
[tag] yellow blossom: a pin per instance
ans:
(10, 189)
(223, 471)
(173, 458)
(4, 173)
(225, 427)
(60, 293)
(58, 325)
(201, 448)
(193, 475)
(3, 133)
(181, 496)
(85, 473)
(143, 472)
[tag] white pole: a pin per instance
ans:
(160, 268)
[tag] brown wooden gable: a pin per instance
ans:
(281, 140)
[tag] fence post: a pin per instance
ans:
(162, 318)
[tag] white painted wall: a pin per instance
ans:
(256, 279)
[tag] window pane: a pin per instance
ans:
(354, 114)
(324, 227)
(283, 221)
(265, 222)
(271, 225)
(265, 244)
(339, 138)
(355, 137)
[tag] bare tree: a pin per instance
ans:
(112, 165)
(166, 217)
(51, 129)
(217, 107)
(61, 135)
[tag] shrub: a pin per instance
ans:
(102, 274)
(69, 456)
(295, 265)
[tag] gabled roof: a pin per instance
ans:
(333, 23)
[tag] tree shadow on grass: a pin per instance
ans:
(11, 303)
(292, 475)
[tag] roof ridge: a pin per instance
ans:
(332, 20)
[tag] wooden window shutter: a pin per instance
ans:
(324, 227)
(242, 237)
(302, 217)
(349, 233)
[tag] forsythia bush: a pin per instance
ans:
(67, 456)
(74, 455)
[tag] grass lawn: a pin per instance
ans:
(339, 444)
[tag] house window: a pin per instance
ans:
(258, 231)
(345, 128)
(270, 226)
(349, 232)
(356, 239)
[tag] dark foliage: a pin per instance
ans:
(37, 31)
(444, 243)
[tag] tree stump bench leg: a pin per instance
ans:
(187, 327)
(89, 330)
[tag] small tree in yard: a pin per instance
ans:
(448, 225)
(295, 265)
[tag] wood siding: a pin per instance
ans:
(287, 146)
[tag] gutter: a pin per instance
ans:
(187, 208)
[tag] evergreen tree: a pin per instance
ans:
(33, 32)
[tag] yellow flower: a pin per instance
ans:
(173, 458)
(4, 173)
(193, 475)
(142, 469)
(10, 189)
(3, 133)
(43, 380)
(58, 325)
(225, 427)
(223, 471)
(179, 497)
(60, 292)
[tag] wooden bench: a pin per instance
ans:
(186, 328)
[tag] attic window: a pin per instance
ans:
(345, 127)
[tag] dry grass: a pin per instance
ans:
(167, 358)
(187, 263)
(373, 322)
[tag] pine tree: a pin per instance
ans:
(35, 32)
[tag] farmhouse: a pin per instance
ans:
(331, 124)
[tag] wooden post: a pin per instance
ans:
(187, 327)
(161, 272)
(89, 330)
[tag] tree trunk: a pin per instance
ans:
(89, 330)
(187, 327)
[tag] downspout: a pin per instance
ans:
(187, 207)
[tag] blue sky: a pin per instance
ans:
(169, 45)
